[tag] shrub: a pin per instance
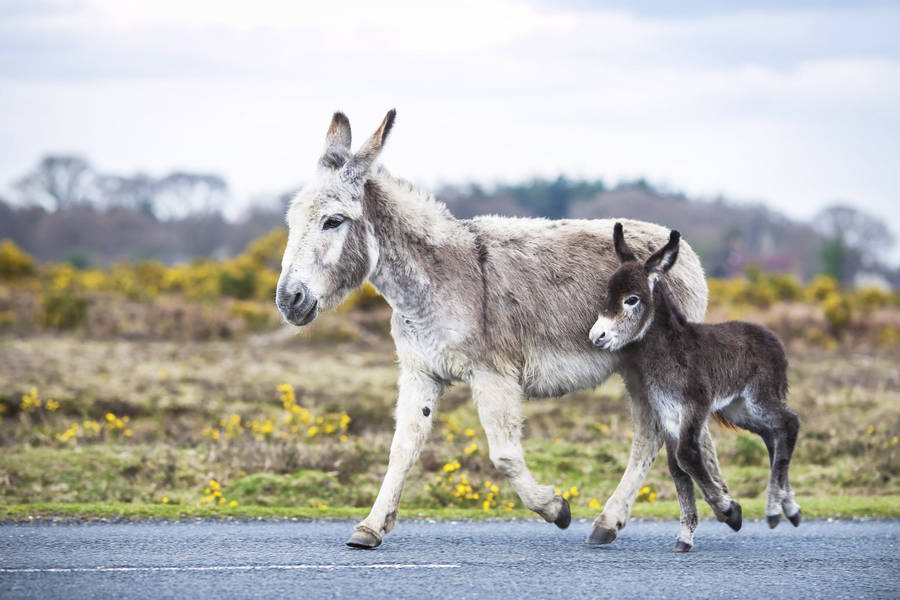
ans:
(199, 280)
(837, 311)
(265, 252)
(237, 278)
(786, 286)
(364, 298)
(820, 287)
(872, 298)
(255, 316)
(64, 310)
(15, 263)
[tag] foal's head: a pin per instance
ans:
(331, 247)
(627, 310)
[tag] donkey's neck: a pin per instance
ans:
(420, 244)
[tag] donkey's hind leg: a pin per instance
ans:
(687, 499)
(499, 401)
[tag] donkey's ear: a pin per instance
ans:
(622, 250)
(359, 165)
(337, 142)
(663, 259)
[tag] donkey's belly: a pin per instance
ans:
(555, 373)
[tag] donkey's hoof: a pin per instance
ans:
(733, 516)
(773, 520)
(565, 515)
(600, 536)
(364, 538)
(682, 546)
(795, 520)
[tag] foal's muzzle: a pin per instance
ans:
(297, 305)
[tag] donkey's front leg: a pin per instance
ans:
(416, 404)
(499, 400)
(648, 439)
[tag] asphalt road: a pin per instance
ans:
(245, 559)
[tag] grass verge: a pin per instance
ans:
(819, 507)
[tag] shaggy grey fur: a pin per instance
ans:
(501, 304)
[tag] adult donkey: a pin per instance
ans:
(502, 304)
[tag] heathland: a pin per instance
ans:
(148, 390)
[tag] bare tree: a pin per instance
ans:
(57, 182)
(856, 230)
(137, 192)
(181, 194)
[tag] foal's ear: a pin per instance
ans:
(663, 259)
(622, 250)
(337, 142)
(360, 163)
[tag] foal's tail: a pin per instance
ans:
(723, 421)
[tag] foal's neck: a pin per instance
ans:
(419, 243)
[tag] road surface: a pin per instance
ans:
(514, 559)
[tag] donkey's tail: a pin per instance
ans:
(723, 421)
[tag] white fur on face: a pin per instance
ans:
(603, 333)
(614, 333)
(327, 196)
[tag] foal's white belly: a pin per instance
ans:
(670, 408)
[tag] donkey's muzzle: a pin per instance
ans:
(297, 305)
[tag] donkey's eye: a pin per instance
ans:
(333, 221)
(632, 300)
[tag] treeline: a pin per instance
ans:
(66, 210)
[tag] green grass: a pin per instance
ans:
(847, 462)
(817, 507)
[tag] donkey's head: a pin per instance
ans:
(627, 310)
(331, 246)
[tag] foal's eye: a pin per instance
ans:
(632, 300)
(333, 221)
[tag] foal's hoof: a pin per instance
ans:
(365, 539)
(795, 520)
(600, 536)
(682, 546)
(733, 516)
(773, 520)
(565, 515)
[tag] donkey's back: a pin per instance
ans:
(542, 280)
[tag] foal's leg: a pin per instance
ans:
(648, 439)
(785, 440)
(711, 458)
(499, 401)
(414, 415)
(687, 500)
(690, 458)
(774, 493)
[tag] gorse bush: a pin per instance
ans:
(14, 263)
(219, 299)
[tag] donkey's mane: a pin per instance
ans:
(412, 192)
(415, 210)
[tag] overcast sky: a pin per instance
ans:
(795, 107)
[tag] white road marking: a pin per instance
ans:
(219, 568)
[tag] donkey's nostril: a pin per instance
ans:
(601, 336)
(297, 299)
